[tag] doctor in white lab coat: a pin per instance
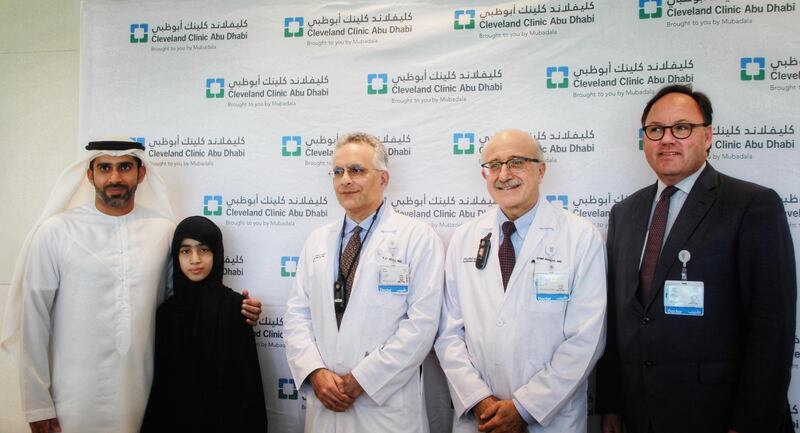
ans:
(518, 358)
(365, 372)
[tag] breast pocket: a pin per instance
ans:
(546, 306)
(389, 301)
(388, 285)
(548, 288)
(316, 265)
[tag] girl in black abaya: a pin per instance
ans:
(207, 376)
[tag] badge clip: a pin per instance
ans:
(684, 256)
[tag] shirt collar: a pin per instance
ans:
(521, 224)
(349, 224)
(685, 185)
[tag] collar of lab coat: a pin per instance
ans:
(384, 232)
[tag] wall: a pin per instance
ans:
(39, 60)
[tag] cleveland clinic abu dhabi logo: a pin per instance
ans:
(753, 68)
(641, 138)
(139, 33)
(561, 199)
(286, 389)
(463, 143)
(140, 140)
(290, 145)
(293, 27)
(212, 205)
(650, 9)
(377, 84)
(215, 87)
(557, 77)
(464, 19)
(289, 266)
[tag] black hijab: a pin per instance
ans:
(207, 233)
(200, 302)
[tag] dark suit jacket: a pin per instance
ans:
(729, 368)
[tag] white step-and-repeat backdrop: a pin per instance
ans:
(239, 104)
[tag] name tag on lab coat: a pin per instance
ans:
(394, 279)
(551, 286)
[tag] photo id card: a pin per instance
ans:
(394, 279)
(551, 286)
(684, 298)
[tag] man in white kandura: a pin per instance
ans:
(523, 320)
(364, 309)
(82, 302)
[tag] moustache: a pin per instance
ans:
(117, 185)
(511, 183)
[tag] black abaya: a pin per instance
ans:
(207, 376)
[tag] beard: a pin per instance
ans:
(116, 200)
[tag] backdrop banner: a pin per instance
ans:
(239, 104)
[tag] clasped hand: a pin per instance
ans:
(336, 393)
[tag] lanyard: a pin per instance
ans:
(340, 293)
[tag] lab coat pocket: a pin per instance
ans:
(389, 301)
(548, 288)
(391, 285)
(318, 265)
(546, 306)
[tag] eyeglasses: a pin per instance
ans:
(678, 130)
(515, 164)
(353, 171)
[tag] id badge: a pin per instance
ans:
(394, 279)
(684, 298)
(551, 286)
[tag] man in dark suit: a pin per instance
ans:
(701, 290)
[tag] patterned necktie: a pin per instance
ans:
(349, 263)
(655, 237)
(506, 253)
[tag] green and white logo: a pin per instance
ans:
(291, 145)
(286, 389)
(293, 27)
(139, 33)
(289, 266)
(377, 84)
(463, 143)
(753, 68)
(563, 200)
(464, 19)
(557, 77)
(215, 87)
(650, 9)
(212, 205)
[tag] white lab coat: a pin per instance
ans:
(383, 337)
(511, 344)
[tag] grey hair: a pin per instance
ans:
(380, 158)
(538, 154)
